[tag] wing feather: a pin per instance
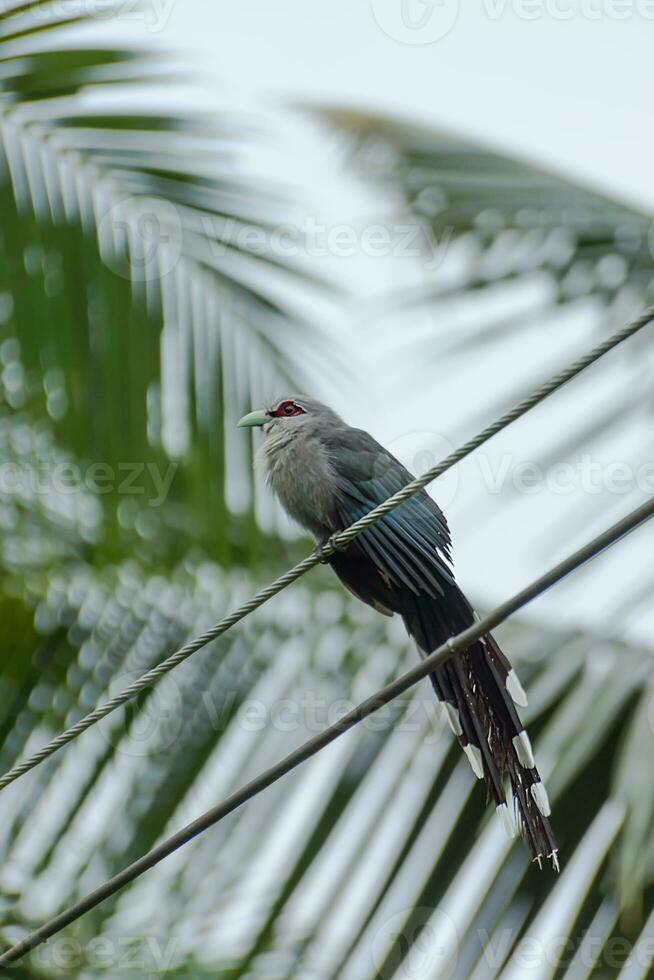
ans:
(411, 545)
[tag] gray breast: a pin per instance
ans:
(298, 470)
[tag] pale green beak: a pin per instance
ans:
(254, 418)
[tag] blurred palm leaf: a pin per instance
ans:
(122, 267)
(376, 859)
(532, 267)
(340, 869)
(515, 220)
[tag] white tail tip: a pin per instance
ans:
(516, 690)
(507, 821)
(453, 718)
(523, 749)
(541, 799)
(474, 758)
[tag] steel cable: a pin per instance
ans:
(397, 687)
(322, 553)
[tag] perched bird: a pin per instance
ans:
(327, 475)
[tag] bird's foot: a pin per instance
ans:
(325, 550)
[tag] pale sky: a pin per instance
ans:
(570, 88)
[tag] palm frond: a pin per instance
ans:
(134, 328)
(341, 868)
(126, 271)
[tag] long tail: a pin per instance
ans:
(480, 690)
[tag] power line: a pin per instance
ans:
(397, 687)
(321, 554)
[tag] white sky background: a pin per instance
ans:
(573, 93)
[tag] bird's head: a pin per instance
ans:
(289, 414)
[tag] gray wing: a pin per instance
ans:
(411, 545)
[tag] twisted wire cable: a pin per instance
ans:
(323, 552)
(343, 538)
(388, 693)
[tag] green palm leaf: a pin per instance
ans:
(377, 858)
(123, 266)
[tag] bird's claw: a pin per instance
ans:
(325, 551)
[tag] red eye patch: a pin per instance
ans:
(287, 409)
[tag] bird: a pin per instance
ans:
(328, 474)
